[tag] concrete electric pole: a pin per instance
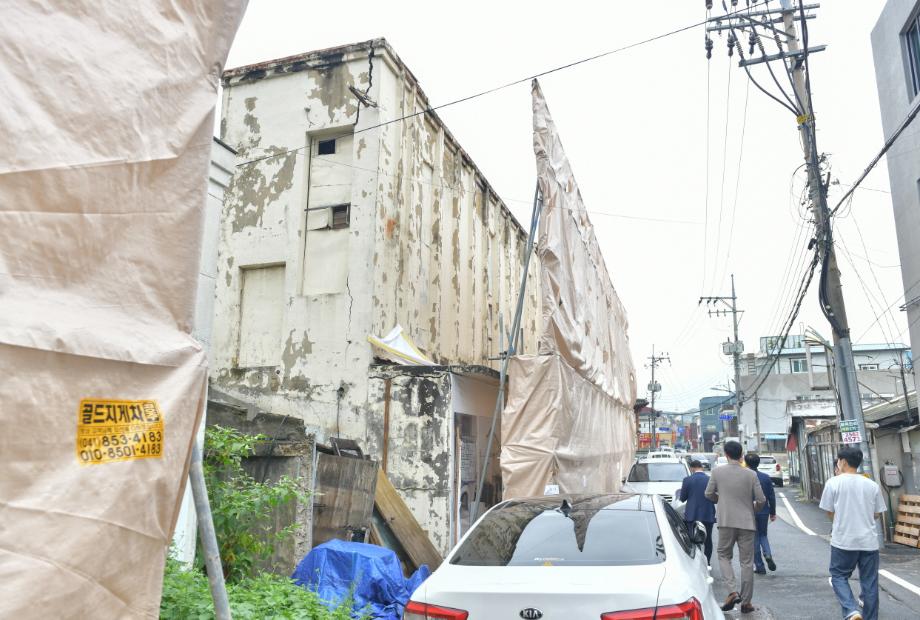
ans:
(654, 387)
(735, 348)
(794, 60)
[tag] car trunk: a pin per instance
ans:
(559, 592)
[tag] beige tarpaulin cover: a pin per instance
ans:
(106, 120)
(569, 418)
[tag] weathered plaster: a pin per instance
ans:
(429, 247)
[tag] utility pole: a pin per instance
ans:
(736, 348)
(757, 422)
(794, 61)
(654, 387)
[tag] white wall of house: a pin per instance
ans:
(898, 91)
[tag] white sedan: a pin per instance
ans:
(598, 557)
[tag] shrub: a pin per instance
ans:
(242, 507)
(270, 597)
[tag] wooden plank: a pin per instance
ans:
(910, 498)
(909, 509)
(907, 530)
(904, 540)
(403, 524)
(908, 519)
(343, 497)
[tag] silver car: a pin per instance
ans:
(658, 476)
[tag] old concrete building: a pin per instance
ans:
(353, 210)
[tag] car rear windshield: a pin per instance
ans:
(536, 536)
(767, 459)
(657, 472)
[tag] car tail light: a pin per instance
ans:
(424, 611)
(691, 610)
(777, 467)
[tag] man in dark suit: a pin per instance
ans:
(698, 508)
(763, 518)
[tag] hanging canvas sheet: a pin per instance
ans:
(107, 121)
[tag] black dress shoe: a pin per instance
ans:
(760, 571)
(770, 563)
(747, 608)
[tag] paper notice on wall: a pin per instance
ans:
(108, 117)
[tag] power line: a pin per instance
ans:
(706, 195)
(888, 144)
(512, 83)
(774, 357)
(878, 318)
(442, 185)
(731, 229)
(728, 92)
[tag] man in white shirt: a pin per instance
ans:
(854, 503)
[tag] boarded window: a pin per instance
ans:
(341, 216)
(329, 218)
(261, 313)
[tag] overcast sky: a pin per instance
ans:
(634, 127)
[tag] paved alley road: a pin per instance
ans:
(799, 588)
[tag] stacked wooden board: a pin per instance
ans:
(907, 522)
(395, 516)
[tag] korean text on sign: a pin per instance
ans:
(118, 430)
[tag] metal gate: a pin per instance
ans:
(821, 458)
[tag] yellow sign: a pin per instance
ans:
(118, 430)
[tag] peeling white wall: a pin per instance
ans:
(429, 246)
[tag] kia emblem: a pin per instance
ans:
(531, 613)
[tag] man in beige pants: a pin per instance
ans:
(738, 497)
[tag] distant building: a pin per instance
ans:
(716, 413)
(802, 372)
(896, 48)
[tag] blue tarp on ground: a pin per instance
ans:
(333, 568)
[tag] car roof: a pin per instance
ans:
(583, 501)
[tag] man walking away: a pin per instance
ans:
(698, 508)
(738, 497)
(762, 518)
(854, 503)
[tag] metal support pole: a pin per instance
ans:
(207, 536)
(736, 358)
(506, 355)
(654, 443)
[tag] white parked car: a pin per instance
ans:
(597, 557)
(769, 466)
(661, 476)
(720, 461)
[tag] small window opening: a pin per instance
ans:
(341, 216)
(326, 147)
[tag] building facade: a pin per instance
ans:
(896, 49)
(354, 210)
(804, 372)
